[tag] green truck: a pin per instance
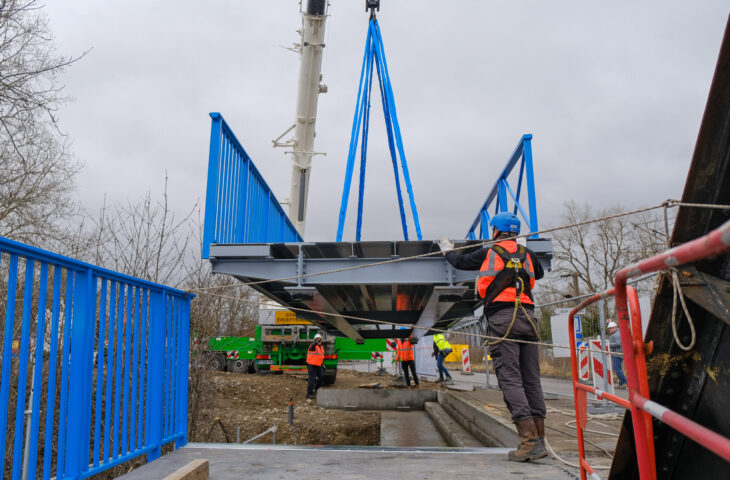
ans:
(276, 348)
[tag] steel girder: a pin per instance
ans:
(356, 279)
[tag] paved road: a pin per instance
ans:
(549, 385)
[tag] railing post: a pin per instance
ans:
(182, 383)
(211, 196)
(77, 420)
(155, 373)
(530, 179)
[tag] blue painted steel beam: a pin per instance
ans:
(497, 197)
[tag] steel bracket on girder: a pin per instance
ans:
(438, 304)
(707, 291)
(317, 303)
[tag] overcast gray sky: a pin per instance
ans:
(613, 93)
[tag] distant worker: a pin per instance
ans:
(505, 268)
(315, 366)
(404, 352)
(614, 343)
(441, 350)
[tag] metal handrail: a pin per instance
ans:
(109, 350)
(634, 349)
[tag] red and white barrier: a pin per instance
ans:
(232, 355)
(601, 371)
(465, 362)
(583, 363)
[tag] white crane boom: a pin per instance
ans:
(309, 88)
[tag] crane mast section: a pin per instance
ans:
(309, 88)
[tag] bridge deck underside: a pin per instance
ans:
(359, 279)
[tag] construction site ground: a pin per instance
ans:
(254, 403)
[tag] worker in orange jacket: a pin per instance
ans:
(315, 366)
(404, 353)
(507, 274)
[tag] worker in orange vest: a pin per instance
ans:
(507, 274)
(404, 353)
(315, 366)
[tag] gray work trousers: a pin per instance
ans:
(516, 364)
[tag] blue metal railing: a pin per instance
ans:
(239, 205)
(502, 190)
(94, 366)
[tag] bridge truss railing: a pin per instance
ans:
(239, 205)
(94, 366)
(503, 197)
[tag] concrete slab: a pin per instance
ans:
(379, 399)
(262, 462)
(409, 429)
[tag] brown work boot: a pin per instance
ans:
(540, 428)
(530, 447)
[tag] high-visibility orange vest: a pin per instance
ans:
(493, 264)
(404, 350)
(316, 357)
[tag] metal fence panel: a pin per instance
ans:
(102, 353)
(239, 206)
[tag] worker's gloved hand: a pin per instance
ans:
(445, 244)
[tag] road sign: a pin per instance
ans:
(286, 317)
(577, 326)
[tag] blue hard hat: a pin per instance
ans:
(506, 222)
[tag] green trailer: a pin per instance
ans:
(276, 348)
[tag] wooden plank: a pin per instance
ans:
(195, 470)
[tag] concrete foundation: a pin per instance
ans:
(379, 399)
(489, 429)
(455, 434)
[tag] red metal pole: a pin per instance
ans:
(577, 393)
(716, 242)
(714, 442)
(647, 468)
(643, 377)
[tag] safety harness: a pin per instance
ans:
(514, 269)
(514, 275)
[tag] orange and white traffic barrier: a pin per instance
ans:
(465, 363)
(601, 371)
(583, 364)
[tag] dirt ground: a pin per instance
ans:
(256, 402)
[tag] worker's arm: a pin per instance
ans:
(311, 346)
(468, 261)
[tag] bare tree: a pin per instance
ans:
(36, 189)
(29, 69)
(143, 239)
(36, 170)
(596, 251)
(221, 308)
